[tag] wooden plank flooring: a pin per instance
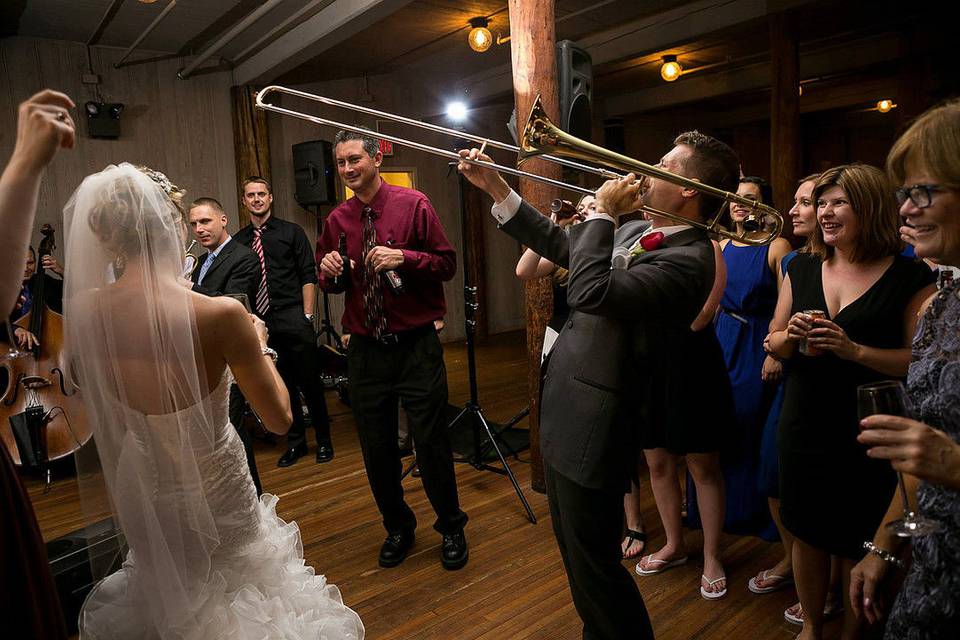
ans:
(514, 585)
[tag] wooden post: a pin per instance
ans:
(533, 52)
(785, 149)
(250, 141)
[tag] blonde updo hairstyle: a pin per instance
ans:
(118, 219)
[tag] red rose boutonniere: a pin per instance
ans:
(649, 242)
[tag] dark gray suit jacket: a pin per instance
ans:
(236, 269)
(618, 337)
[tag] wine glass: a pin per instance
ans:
(888, 397)
(13, 351)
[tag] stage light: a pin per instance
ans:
(670, 70)
(457, 111)
(884, 106)
(480, 37)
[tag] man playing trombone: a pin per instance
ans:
(613, 354)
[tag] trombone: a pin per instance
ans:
(544, 139)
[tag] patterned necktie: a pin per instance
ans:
(263, 297)
(205, 267)
(372, 293)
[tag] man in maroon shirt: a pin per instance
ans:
(399, 258)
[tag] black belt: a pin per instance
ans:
(401, 337)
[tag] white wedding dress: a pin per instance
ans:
(207, 560)
(259, 586)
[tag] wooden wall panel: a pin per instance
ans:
(180, 127)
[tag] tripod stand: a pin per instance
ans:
(472, 412)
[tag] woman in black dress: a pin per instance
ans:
(832, 495)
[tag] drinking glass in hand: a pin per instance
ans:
(890, 398)
(13, 351)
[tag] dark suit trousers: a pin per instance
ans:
(294, 339)
(588, 524)
(238, 405)
(412, 371)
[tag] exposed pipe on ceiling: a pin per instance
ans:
(233, 32)
(147, 31)
(273, 32)
(106, 19)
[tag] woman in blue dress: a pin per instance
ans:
(803, 218)
(742, 324)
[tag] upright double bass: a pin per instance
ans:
(41, 411)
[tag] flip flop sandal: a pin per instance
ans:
(662, 565)
(775, 582)
(794, 614)
(635, 536)
(713, 595)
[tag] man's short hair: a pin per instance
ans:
(370, 144)
(213, 203)
(258, 179)
(712, 162)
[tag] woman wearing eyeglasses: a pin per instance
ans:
(832, 496)
(926, 162)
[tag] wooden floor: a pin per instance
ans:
(514, 585)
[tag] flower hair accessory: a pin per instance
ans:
(649, 242)
(160, 178)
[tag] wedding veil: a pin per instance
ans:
(133, 344)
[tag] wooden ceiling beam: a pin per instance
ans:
(332, 25)
(645, 35)
(839, 59)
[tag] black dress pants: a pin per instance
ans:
(588, 524)
(294, 339)
(412, 371)
(238, 405)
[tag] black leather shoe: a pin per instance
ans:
(292, 455)
(324, 453)
(395, 548)
(453, 551)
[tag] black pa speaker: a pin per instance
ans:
(575, 81)
(313, 173)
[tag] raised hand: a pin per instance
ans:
(44, 125)
(620, 196)
(484, 178)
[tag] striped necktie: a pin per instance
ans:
(372, 293)
(263, 297)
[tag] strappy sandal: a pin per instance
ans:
(634, 536)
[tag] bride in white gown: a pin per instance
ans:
(207, 560)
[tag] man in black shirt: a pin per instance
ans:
(285, 296)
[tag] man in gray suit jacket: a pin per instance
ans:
(625, 317)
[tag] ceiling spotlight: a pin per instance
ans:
(457, 111)
(884, 106)
(670, 70)
(480, 37)
(93, 109)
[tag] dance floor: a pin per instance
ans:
(514, 585)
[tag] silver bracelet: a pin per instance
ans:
(883, 554)
(272, 353)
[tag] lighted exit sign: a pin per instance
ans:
(386, 147)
